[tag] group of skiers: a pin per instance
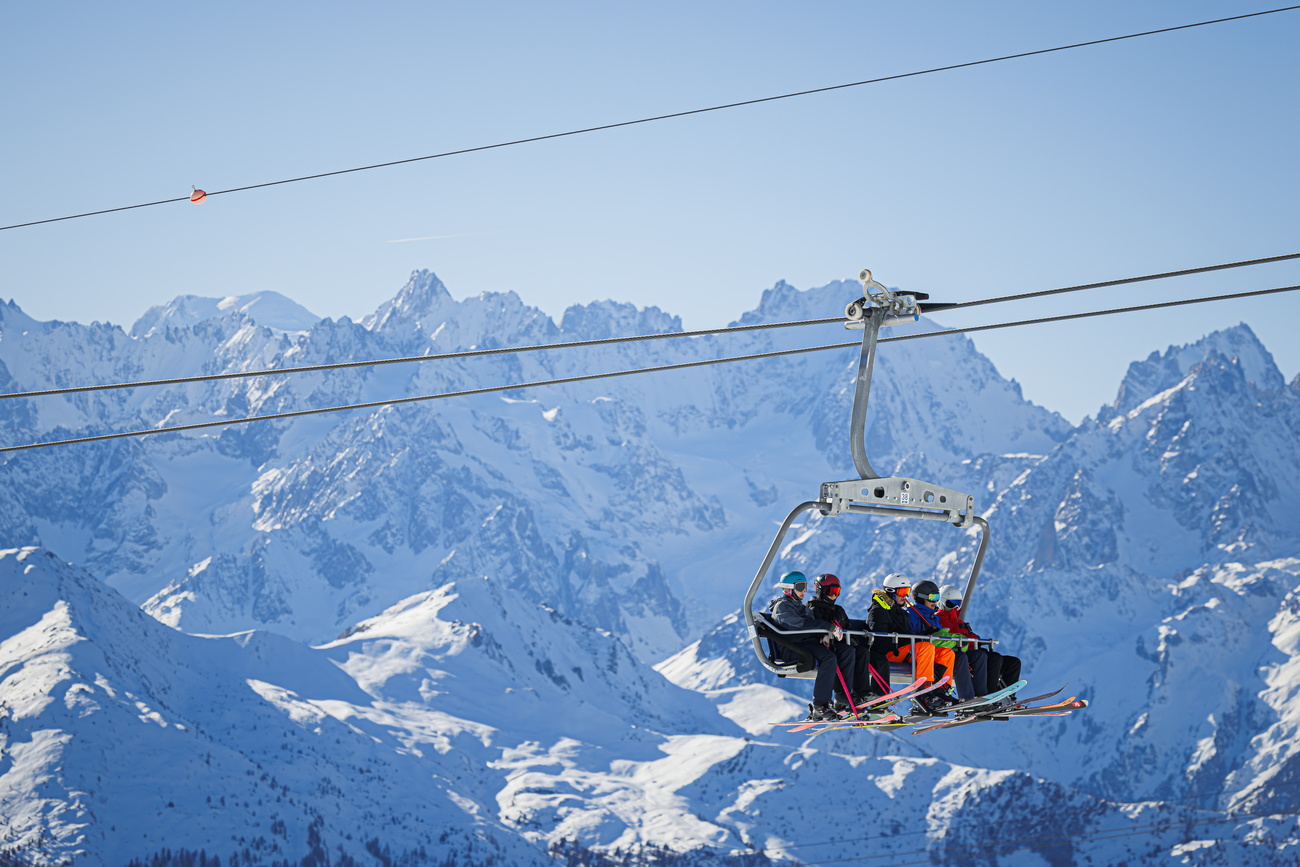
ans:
(854, 669)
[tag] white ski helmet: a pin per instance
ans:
(949, 593)
(897, 581)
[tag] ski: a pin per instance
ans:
(929, 719)
(909, 691)
(1058, 709)
(891, 720)
(900, 693)
(1022, 702)
(853, 723)
(974, 708)
(981, 700)
(1070, 704)
(876, 703)
(1018, 706)
(990, 718)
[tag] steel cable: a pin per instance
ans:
(606, 341)
(611, 374)
(669, 116)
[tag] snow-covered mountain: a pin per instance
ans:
(266, 308)
(439, 619)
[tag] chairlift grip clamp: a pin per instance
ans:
(895, 309)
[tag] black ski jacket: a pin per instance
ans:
(825, 609)
(789, 613)
(887, 616)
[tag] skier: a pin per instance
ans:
(923, 619)
(823, 605)
(971, 656)
(789, 612)
(889, 617)
(1001, 669)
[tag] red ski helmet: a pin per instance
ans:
(827, 586)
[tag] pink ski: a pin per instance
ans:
(881, 701)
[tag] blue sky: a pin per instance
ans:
(1139, 156)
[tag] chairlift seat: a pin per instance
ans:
(782, 653)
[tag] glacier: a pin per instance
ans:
(504, 627)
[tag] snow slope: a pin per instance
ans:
(425, 732)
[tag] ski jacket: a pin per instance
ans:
(951, 619)
(952, 622)
(924, 620)
(790, 613)
(887, 616)
(825, 609)
(929, 621)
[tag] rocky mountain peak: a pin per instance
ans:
(601, 319)
(785, 302)
(423, 302)
(1163, 370)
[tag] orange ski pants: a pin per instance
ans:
(926, 657)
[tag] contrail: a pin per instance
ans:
(436, 237)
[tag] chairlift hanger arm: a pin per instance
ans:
(898, 497)
(870, 493)
(872, 311)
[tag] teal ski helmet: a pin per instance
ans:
(792, 581)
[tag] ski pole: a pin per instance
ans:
(880, 681)
(845, 686)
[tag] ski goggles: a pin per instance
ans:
(929, 597)
(831, 592)
(902, 591)
(952, 603)
(800, 586)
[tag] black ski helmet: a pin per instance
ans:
(824, 584)
(926, 590)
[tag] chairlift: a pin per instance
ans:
(869, 494)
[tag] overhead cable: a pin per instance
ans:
(1204, 269)
(445, 356)
(400, 400)
(606, 341)
(676, 114)
(972, 329)
(611, 374)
